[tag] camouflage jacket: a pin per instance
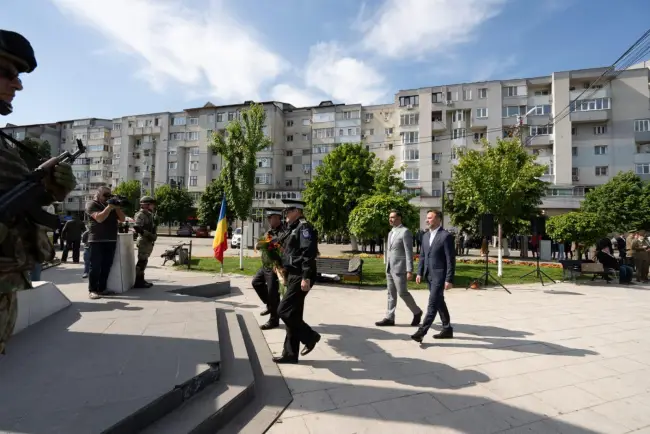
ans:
(23, 243)
(148, 234)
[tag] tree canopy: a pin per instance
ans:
(388, 178)
(131, 190)
(244, 138)
(210, 204)
(173, 204)
(502, 180)
(41, 148)
(622, 203)
(583, 228)
(369, 218)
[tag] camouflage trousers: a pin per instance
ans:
(141, 265)
(8, 314)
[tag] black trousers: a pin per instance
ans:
(75, 246)
(101, 261)
(436, 305)
(291, 310)
(267, 287)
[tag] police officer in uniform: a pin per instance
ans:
(265, 282)
(145, 227)
(22, 242)
(299, 261)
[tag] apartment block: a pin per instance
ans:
(39, 132)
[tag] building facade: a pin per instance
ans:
(584, 128)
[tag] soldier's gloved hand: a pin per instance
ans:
(61, 181)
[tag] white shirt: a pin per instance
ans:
(433, 235)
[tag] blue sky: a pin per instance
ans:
(109, 58)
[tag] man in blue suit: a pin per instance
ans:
(437, 267)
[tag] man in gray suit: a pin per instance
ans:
(399, 270)
(437, 267)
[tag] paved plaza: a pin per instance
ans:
(555, 359)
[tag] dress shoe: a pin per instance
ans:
(445, 333)
(309, 348)
(385, 323)
(416, 319)
(284, 360)
(418, 336)
(265, 312)
(269, 325)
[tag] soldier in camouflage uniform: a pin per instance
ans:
(22, 242)
(145, 226)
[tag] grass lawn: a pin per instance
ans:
(374, 275)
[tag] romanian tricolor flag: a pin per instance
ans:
(220, 242)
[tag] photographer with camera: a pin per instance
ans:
(104, 214)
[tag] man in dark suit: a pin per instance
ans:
(437, 267)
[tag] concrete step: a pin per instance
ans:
(219, 403)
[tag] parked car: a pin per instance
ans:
(235, 241)
(202, 232)
(185, 231)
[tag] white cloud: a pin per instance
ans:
(412, 28)
(172, 43)
(296, 96)
(493, 68)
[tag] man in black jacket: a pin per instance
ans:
(71, 234)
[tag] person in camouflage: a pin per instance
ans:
(145, 227)
(22, 242)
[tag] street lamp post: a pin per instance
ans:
(450, 196)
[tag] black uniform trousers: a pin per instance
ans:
(73, 245)
(267, 287)
(291, 310)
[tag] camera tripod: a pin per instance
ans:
(487, 275)
(539, 273)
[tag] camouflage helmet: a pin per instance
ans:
(147, 199)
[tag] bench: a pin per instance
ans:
(340, 267)
(579, 268)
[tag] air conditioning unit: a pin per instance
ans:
(449, 102)
(575, 178)
(436, 161)
(363, 136)
(367, 121)
(307, 172)
(409, 107)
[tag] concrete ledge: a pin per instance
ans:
(36, 304)
(209, 290)
(219, 403)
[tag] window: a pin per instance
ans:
(410, 137)
(288, 153)
(289, 123)
(173, 151)
(409, 119)
(436, 174)
(219, 117)
(117, 127)
(601, 129)
(467, 95)
(458, 133)
(306, 122)
(436, 156)
(481, 113)
(642, 169)
(305, 136)
(601, 170)
(194, 166)
(539, 110)
(178, 121)
(211, 118)
(574, 131)
(482, 93)
(193, 181)
(117, 141)
(642, 125)
(369, 132)
(586, 105)
(137, 169)
(411, 153)
(457, 116)
(405, 101)
(288, 168)
(510, 91)
(541, 130)
(215, 167)
(177, 136)
(231, 116)
(264, 162)
(194, 121)
(390, 146)
(437, 97)
(172, 165)
(574, 151)
(264, 178)
(514, 110)
(600, 149)
(322, 133)
(549, 169)
(544, 92)
(452, 96)
(412, 174)
(194, 151)
(290, 138)
(351, 115)
(388, 131)
(306, 168)
(478, 137)
(369, 116)
(574, 172)
(194, 135)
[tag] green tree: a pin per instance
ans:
(370, 217)
(131, 190)
(388, 178)
(502, 180)
(344, 178)
(583, 228)
(210, 204)
(244, 138)
(173, 204)
(41, 151)
(622, 203)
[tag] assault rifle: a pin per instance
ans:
(24, 199)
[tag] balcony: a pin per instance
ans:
(438, 126)
(641, 137)
(103, 167)
(461, 142)
(479, 124)
(116, 133)
(561, 202)
(146, 145)
(539, 140)
(642, 157)
(538, 120)
(590, 93)
(583, 117)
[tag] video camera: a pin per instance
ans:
(118, 200)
